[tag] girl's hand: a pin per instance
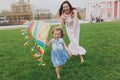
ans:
(66, 48)
(49, 42)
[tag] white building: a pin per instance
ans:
(105, 9)
(118, 17)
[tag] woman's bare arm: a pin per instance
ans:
(62, 20)
(75, 17)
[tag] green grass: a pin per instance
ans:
(102, 60)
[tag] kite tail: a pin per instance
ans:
(38, 54)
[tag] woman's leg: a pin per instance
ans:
(81, 58)
(57, 69)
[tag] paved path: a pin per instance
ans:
(12, 27)
(22, 26)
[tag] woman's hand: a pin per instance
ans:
(62, 21)
(63, 18)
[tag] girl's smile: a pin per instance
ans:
(56, 34)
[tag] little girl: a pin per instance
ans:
(59, 55)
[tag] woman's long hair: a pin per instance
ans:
(61, 7)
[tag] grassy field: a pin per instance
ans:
(102, 60)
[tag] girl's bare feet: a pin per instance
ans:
(58, 76)
(57, 72)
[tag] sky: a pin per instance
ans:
(53, 5)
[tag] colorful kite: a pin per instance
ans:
(38, 32)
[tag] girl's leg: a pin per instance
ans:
(81, 58)
(57, 69)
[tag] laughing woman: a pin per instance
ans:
(69, 18)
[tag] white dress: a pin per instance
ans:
(74, 46)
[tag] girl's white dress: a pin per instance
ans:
(74, 46)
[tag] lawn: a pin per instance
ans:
(102, 60)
